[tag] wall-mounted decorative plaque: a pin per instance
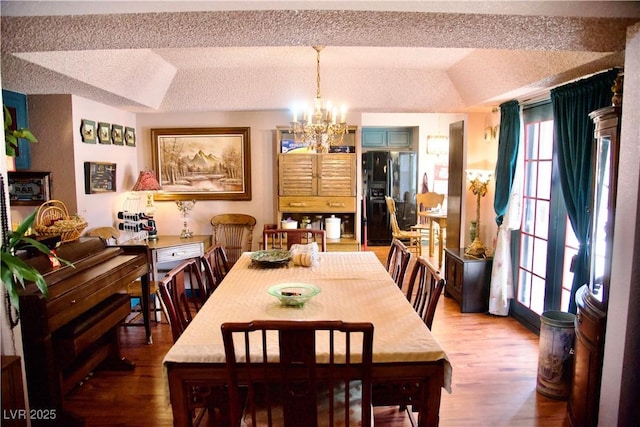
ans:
(99, 177)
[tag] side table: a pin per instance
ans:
(165, 250)
(468, 280)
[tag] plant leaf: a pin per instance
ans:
(18, 235)
(45, 250)
(26, 134)
(8, 121)
(15, 271)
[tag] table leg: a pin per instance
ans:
(144, 302)
(431, 239)
(443, 236)
(431, 400)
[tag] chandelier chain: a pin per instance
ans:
(318, 49)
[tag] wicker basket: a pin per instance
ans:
(53, 219)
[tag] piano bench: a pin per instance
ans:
(79, 334)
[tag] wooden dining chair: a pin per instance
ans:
(424, 289)
(398, 261)
(413, 239)
(214, 267)
(234, 232)
(426, 202)
(280, 238)
(320, 374)
(181, 302)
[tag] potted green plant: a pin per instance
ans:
(11, 136)
(15, 271)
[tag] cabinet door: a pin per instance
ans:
(374, 138)
(297, 174)
(399, 139)
(337, 175)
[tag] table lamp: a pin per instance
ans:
(148, 183)
(478, 180)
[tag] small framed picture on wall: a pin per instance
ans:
(88, 131)
(103, 133)
(116, 134)
(130, 136)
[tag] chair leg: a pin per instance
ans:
(158, 300)
(412, 419)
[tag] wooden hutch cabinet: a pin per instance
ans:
(592, 298)
(318, 185)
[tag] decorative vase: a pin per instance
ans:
(473, 230)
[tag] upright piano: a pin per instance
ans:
(70, 334)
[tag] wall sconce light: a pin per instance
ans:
(478, 179)
(438, 145)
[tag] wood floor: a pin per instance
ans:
(494, 363)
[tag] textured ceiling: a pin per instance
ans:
(385, 56)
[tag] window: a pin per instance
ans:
(545, 243)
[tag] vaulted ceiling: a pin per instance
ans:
(383, 56)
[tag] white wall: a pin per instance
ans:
(621, 368)
(99, 209)
(56, 121)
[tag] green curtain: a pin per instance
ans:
(509, 139)
(573, 134)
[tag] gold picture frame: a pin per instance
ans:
(202, 163)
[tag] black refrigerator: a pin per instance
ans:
(388, 173)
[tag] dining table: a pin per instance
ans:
(410, 367)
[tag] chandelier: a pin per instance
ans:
(319, 127)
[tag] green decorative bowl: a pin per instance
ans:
(271, 258)
(294, 294)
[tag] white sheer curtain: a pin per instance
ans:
(501, 290)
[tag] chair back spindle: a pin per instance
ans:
(424, 289)
(398, 261)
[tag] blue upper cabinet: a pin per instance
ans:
(17, 105)
(393, 138)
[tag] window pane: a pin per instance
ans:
(566, 297)
(528, 216)
(530, 179)
(542, 219)
(540, 257)
(570, 250)
(570, 239)
(546, 140)
(524, 288)
(526, 252)
(537, 294)
(544, 183)
(532, 141)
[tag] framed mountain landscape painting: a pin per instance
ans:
(202, 163)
